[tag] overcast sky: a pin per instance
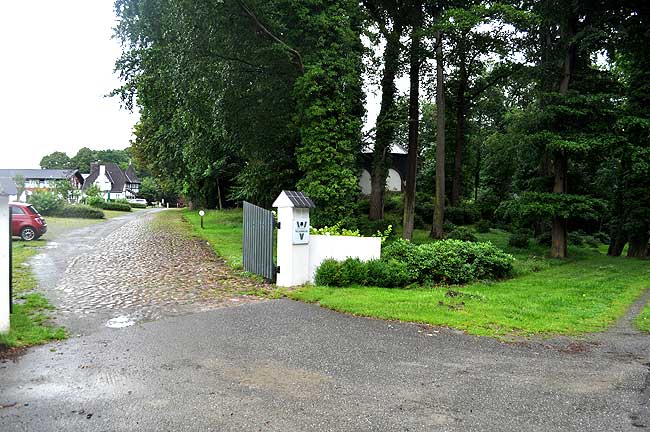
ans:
(57, 62)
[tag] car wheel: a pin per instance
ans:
(28, 234)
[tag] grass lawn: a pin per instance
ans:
(643, 320)
(29, 318)
(222, 229)
(585, 293)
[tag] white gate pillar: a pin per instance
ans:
(7, 187)
(293, 238)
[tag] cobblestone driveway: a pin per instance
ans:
(144, 269)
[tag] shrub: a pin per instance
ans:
(602, 237)
(388, 273)
(47, 203)
(402, 263)
(138, 205)
(482, 226)
(591, 241)
(327, 273)
(448, 226)
(456, 261)
(80, 211)
(352, 271)
(544, 239)
(94, 201)
(575, 238)
(463, 215)
(110, 205)
(519, 240)
(462, 233)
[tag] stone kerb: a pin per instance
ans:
(322, 247)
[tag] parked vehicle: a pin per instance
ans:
(26, 222)
(138, 201)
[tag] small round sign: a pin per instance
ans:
(201, 213)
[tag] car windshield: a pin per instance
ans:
(33, 210)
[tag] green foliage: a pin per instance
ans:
(531, 207)
(95, 201)
(56, 160)
(388, 273)
(465, 215)
(521, 239)
(327, 273)
(79, 211)
(93, 192)
(462, 233)
(482, 226)
(338, 230)
(138, 205)
(110, 205)
(330, 102)
(352, 272)
(47, 203)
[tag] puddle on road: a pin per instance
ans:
(120, 322)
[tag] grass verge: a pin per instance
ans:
(643, 320)
(223, 230)
(582, 296)
(30, 311)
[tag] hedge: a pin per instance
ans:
(403, 263)
(79, 211)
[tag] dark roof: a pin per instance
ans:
(7, 186)
(131, 176)
(113, 172)
(41, 174)
(299, 199)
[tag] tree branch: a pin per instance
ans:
(261, 26)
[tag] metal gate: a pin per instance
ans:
(259, 228)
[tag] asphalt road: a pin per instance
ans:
(286, 366)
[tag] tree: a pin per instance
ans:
(437, 230)
(415, 57)
(56, 160)
(390, 17)
(19, 180)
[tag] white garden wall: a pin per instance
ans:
(339, 248)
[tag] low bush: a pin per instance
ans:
(482, 226)
(402, 263)
(352, 272)
(327, 273)
(46, 203)
(463, 215)
(388, 273)
(462, 233)
(519, 240)
(95, 201)
(575, 238)
(138, 205)
(79, 211)
(111, 205)
(544, 239)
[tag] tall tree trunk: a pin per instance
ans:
(385, 125)
(414, 127)
(560, 158)
(439, 209)
(638, 246)
(461, 114)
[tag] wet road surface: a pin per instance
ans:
(286, 366)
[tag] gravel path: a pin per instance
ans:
(140, 267)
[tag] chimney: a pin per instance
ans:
(93, 166)
(102, 170)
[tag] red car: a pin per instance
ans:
(26, 222)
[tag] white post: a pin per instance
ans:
(5, 244)
(293, 243)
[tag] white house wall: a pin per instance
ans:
(393, 182)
